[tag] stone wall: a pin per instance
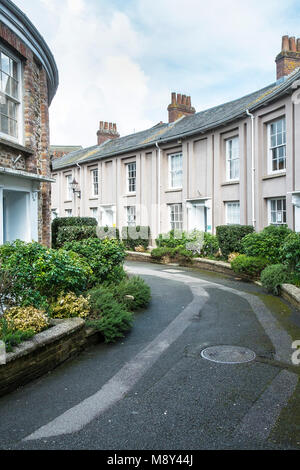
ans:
(43, 353)
(35, 153)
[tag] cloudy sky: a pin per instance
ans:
(119, 60)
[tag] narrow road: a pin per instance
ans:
(155, 390)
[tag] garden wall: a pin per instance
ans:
(42, 353)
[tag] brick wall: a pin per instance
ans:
(36, 127)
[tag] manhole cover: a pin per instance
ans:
(228, 354)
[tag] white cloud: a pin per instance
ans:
(119, 61)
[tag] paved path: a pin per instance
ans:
(154, 390)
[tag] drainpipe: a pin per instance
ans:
(158, 183)
(80, 179)
(252, 168)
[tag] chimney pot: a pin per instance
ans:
(178, 98)
(107, 131)
(184, 99)
(298, 45)
(180, 106)
(173, 98)
(285, 44)
(293, 44)
(188, 101)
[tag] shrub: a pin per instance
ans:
(13, 338)
(108, 316)
(248, 265)
(267, 243)
(70, 222)
(40, 273)
(274, 276)
(136, 236)
(290, 252)
(105, 258)
(69, 306)
(69, 234)
(230, 236)
(7, 281)
(179, 254)
(232, 257)
(210, 245)
(26, 319)
(173, 239)
(135, 287)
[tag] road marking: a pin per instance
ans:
(261, 418)
(118, 386)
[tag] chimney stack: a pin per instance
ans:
(181, 105)
(107, 131)
(289, 58)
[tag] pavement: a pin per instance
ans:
(154, 390)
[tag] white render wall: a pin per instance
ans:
(204, 177)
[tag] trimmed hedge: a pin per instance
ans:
(70, 222)
(230, 237)
(70, 234)
(179, 254)
(108, 232)
(136, 236)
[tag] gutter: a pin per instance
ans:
(158, 183)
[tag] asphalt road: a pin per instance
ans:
(155, 391)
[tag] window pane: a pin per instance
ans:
(4, 124)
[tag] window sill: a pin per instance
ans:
(274, 175)
(231, 183)
(174, 190)
(16, 146)
(130, 195)
(94, 198)
(69, 200)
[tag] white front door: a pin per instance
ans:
(108, 216)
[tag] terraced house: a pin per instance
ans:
(28, 83)
(237, 163)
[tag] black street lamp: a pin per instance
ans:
(75, 187)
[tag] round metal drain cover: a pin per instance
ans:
(228, 354)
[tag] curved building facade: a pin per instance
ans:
(28, 83)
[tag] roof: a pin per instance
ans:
(65, 148)
(26, 175)
(187, 126)
(21, 25)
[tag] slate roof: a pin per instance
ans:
(198, 123)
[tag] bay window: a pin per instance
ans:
(10, 99)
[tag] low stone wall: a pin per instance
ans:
(42, 353)
(291, 294)
(200, 263)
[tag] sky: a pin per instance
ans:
(119, 60)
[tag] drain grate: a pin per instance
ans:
(228, 354)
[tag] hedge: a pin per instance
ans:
(230, 236)
(108, 232)
(70, 234)
(133, 237)
(70, 222)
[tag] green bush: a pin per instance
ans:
(105, 258)
(248, 265)
(69, 234)
(267, 243)
(179, 254)
(40, 273)
(111, 318)
(13, 338)
(290, 252)
(135, 287)
(210, 245)
(173, 239)
(70, 222)
(136, 236)
(274, 276)
(230, 236)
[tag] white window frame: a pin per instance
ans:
(228, 206)
(69, 190)
(131, 180)
(280, 213)
(18, 101)
(177, 223)
(173, 173)
(233, 160)
(131, 216)
(277, 146)
(95, 182)
(68, 213)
